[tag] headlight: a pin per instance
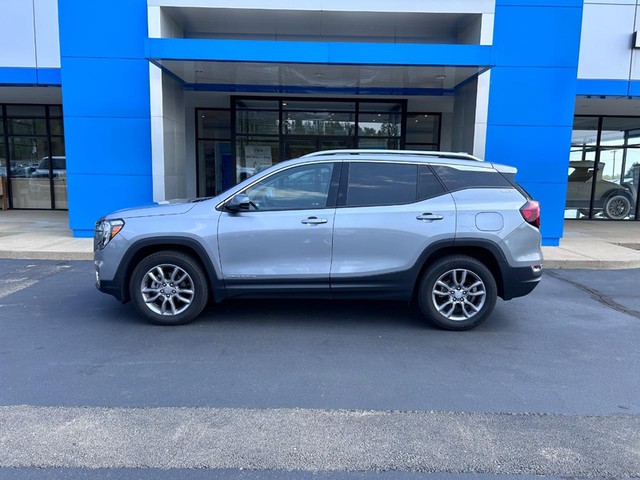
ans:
(105, 231)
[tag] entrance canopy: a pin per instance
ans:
(255, 65)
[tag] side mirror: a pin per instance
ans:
(238, 203)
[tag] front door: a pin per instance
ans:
(284, 242)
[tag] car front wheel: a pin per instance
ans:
(457, 293)
(169, 288)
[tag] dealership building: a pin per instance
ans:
(107, 105)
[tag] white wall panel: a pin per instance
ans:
(635, 53)
(17, 40)
(448, 6)
(605, 45)
(47, 33)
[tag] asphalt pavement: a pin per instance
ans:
(548, 386)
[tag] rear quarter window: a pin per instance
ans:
(457, 179)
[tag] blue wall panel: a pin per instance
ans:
(98, 189)
(121, 147)
(111, 29)
(105, 96)
(317, 52)
(532, 98)
(110, 77)
(29, 76)
(544, 37)
(545, 149)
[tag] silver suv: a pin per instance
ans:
(446, 231)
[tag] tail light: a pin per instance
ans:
(531, 213)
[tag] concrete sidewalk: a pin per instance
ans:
(37, 234)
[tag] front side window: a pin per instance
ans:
(381, 184)
(298, 188)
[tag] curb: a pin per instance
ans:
(46, 255)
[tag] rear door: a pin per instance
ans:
(387, 215)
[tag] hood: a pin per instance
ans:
(170, 207)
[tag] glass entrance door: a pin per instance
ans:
(295, 147)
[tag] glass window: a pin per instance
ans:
(30, 179)
(380, 124)
(56, 126)
(423, 128)
(458, 179)
(428, 184)
(319, 123)
(380, 107)
(27, 126)
(255, 154)
(25, 110)
(381, 184)
(585, 131)
(3, 160)
(257, 122)
(214, 124)
(55, 111)
(316, 106)
(299, 188)
(620, 131)
(257, 104)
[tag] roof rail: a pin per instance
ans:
(361, 151)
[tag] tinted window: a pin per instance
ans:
(511, 177)
(303, 187)
(428, 184)
(381, 184)
(455, 179)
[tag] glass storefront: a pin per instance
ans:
(604, 168)
(258, 132)
(32, 156)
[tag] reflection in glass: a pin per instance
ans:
(255, 154)
(30, 181)
(214, 124)
(423, 128)
(318, 123)
(257, 122)
(618, 131)
(303, 187)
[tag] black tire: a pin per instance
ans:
(617, 206)
(181, 301)
(441, 270)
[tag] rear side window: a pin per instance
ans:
(511, 178)
(455, 179)
(381, 184)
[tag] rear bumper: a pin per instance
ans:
(520, 281)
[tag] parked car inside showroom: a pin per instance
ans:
(613, 200)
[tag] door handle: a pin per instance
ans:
(429, 217)
(314, 221)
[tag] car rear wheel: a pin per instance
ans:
(169, 288)
(457, 293)
(617, 206)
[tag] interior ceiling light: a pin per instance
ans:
(441, 77)
(319, 75)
